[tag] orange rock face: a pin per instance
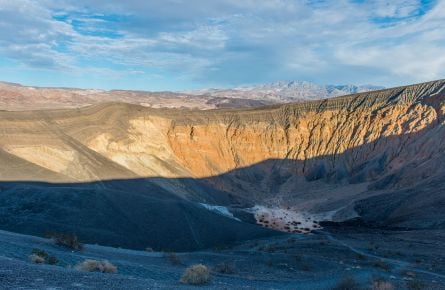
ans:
(214, 148)
(231, 140)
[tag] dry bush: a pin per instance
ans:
(67, 240)
(347, 283)
(381, 284)
(40, 253)
(90, 265)
(196, 275)
(39, 256)
(36, 259)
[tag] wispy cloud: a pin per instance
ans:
(197, 43)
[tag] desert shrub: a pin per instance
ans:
(36, 259)
(196, 275)
(39, 256)
(415, 285)
(40, 253)
(225, 268)
(90, 265)
(347, 283)
(380, 284)
(173, 258)
(70, 241)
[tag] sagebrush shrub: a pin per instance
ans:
(70, 241)
(196, 275)
(90, 265)
(36, 259)
(39, 256)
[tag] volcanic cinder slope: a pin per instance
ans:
(132, 176)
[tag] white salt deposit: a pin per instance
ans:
(222, 210)
(286, 220)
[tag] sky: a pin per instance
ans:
(192, 44)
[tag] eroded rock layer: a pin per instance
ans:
(120, 141)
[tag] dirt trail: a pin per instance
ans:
(397, 264)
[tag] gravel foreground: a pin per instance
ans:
(317, 261)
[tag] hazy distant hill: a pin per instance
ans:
(289, 91)
(16, 97)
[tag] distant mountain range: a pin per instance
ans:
(289, 91)
(16, 97)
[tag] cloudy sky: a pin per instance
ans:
(188, 44)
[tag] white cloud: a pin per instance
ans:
(29, 34)
(209, 40)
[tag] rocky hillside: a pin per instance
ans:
(341, 156)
